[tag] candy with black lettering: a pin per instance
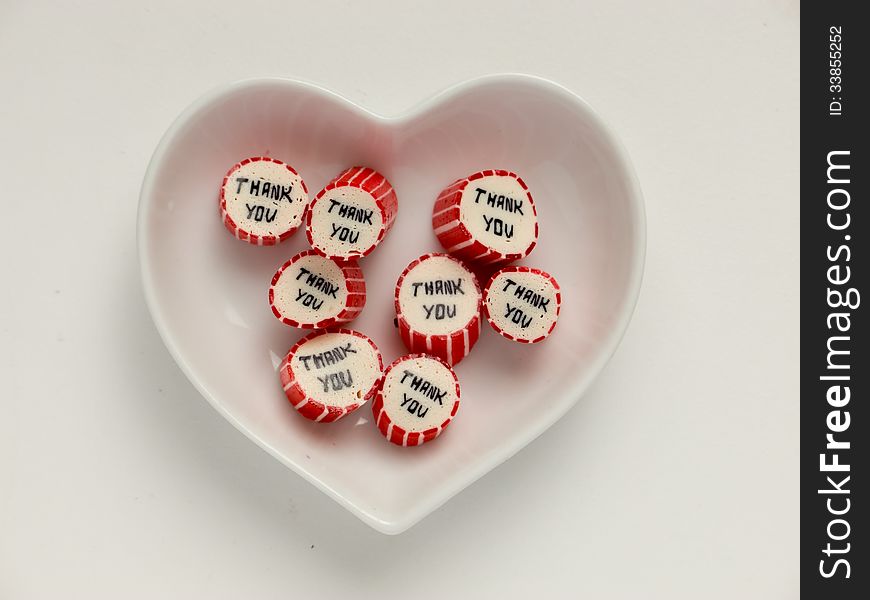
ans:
(352, 214)
(438, 303)
(329, 374)
(522, 304)
(262, 201)
(311, 291)
(417, 399)
(488, 218)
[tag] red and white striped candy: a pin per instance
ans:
(329, 374)
(487, 218)
(262, 200)
(311, 291)
(522, 303)
(417, 399)
(352, 214)
(438, 304)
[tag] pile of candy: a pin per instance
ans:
(484, 222)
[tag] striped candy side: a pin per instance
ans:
(517, 269)
(368, 180)
(307, 406)
(397, 435)
(456, 238)
(452, 347)
(239, 232)
(354, 303)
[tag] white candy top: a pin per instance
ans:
(522, 304)
(310, 290)
(337, 369)
(438, 296)
(497, 213)
(419, 393)
(264, 197)
(346, 222)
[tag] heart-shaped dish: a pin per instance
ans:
(207, 292)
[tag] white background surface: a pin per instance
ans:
(676, 476)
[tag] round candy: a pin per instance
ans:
(352, 214)
(262, 201)
(438, 307)
(329, 374)
(522, 304)
(311, 291)
(488, 218)
(417, 399)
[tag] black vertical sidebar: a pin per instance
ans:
(835, 169)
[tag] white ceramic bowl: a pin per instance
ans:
(207, 291)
